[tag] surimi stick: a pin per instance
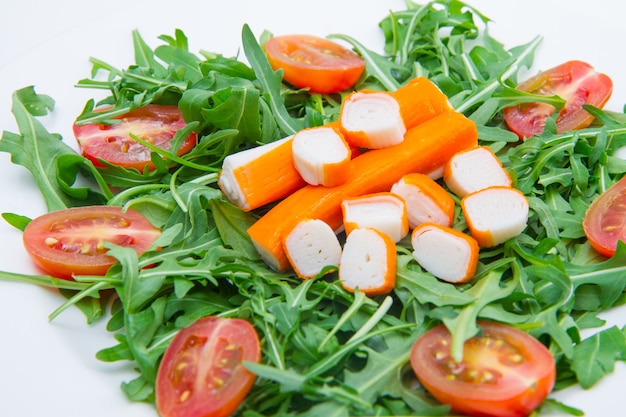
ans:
(255, 177)
(385, 212)
(311, 246)
(372, 120)
(368, 262)
(426, 146)
(426, 200)
(495, 214)
(252, 178)
(321, 155)
(474, 169)
(419, 100)
(447, 253)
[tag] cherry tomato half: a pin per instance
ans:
(505, 372)
(153, 123)
(202, 372)
(575, 81)
(70, 242)
(315, 63)
(604, 222)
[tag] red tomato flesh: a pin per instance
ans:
(156, 124)
(69, 242)
(575, 81)
(202, 372)
(315, 63)
(605, 220)
(505, 372)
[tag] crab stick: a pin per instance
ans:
(385, 212)
(311, 246)
(368, 262)
(447, 253)
(321, 155)
(425, 200)
(419, 100)
(426, 146)
(474, 169)
(372, 120)
(495, 214)
(252, 178)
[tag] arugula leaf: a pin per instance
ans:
(38, 150)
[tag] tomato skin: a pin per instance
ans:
(112, 143)
(575, 81)
(310, 62)
(604, 220)
(55, 239)
(504, 373)
(201, 373)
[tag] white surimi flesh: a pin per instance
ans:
(316, 147)
(375, 114)
(497, 212)
(473, 170)
(311, 246)
(442, 254)
(364, 260)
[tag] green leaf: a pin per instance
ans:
(595, 356)
(36, 149)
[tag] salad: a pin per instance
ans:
(71, 318)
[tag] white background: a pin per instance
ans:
(49, 368)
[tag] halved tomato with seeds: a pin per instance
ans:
(114, 143)
(505, 372)
(202, 373)
(70, 242)
(604, 222)
(315, 63)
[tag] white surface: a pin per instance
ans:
(49, 368)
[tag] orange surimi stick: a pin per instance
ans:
(321, 155)
(474, 169)
(255, 177)
(372, 120)
(426, 200)
(368, 262)
(495, 214)
(252, 178)
(448, 254)
(419, 100)
(426, 146)
(311, 246)
(385, 212)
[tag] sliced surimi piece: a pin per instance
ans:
(426, 146)
(321, 155)
(368, 262)
(252, 178)
(372, 120)
(426, 200)
(447, 253)
(311, 246)
(385, 212)
(495, 214)
(474, 169)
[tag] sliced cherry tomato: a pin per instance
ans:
(202, 372)
(70, 242)
(575, 81)
(604, 222)
(153, 123)
(315, 63)
(505, 372)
